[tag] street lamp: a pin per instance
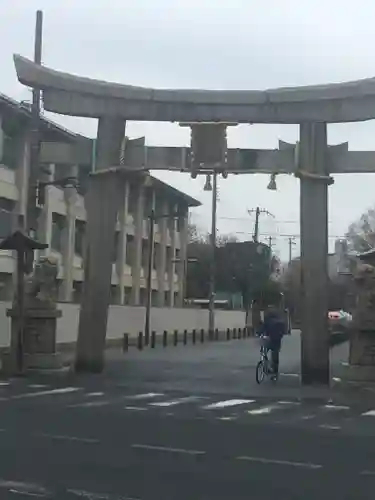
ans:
(272, 184)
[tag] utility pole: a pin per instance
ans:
(211, 313)
(258, 211)
(31, 215)
(291, 242)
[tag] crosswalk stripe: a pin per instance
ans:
(148, 395)
(370, 413)
(265, 410)
(228, 402)
(175, 402)
(63, 390)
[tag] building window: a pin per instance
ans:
(115, 246)
(129, 258)
(79, 237)
(132, 201)
(58, 224)
(10, 149)
(6, 217)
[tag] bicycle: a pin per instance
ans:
(264, 365)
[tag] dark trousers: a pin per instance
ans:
(275, 347)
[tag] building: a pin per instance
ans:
(62, 219)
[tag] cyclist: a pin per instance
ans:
(274, 328)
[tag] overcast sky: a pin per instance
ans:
(221, 44)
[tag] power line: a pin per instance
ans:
(285, 235)
(274, 220)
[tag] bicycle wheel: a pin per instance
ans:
(260, 372)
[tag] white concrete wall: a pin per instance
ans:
(127, 319)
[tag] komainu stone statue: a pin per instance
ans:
(41, 285)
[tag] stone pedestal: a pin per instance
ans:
(362, 355)
(39, 340)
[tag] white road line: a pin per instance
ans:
(228, 402)
(89, 404)
(271, 461)
(331, 427)
(94, 394)
(37, 386)
(175, 402)
(167, 449)
(336, 407)
(136, 408)
(66, 438)
(52, 392)
(367, 473)
(28, 489)
(370, 413)
(149, 395)
(98, 496)
(291, 403)
(4, 384)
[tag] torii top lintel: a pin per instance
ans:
(79, 96)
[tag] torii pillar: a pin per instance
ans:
(106, 189)
(314, 180)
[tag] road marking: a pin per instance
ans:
(149, 395)
(94, 394)
(331, 427)
(367, 473)
(22, 488)
(291, 403)
(167, 449)
(89, 404)
(228, 402)
(4, 384)
(175, 402)
(37, 386)
(271, 461)
(226, 418)
(136, 408)
(290, 374)
(66, 438)
(370, 413)
(336, 407)
(52, 392)
(98, 496)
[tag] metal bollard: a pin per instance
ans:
(239, 333)
(140, 341)
(234, 336)
(125, 342)
(153, 339)
(185, 337)
(147, 338)
(175, 337)
(165, 338)
(228, 333)
(245, 332)
(202, 335)
(216, 334)
(194, 336)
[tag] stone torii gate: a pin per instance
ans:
(311, 107)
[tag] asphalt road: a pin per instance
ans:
(129, 435)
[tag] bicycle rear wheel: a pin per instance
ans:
(260, 372)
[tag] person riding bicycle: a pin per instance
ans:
(274, 328)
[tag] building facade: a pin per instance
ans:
(62, 220)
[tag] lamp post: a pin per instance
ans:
(211, 312)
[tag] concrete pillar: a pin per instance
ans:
(314, 252)
(181, 269)
(121, 253)
(103, 200)
(171, 265)
(45, 216)
(162, 257)
(22, 175)
(137, 255)
(70, 196)
(111, 132)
